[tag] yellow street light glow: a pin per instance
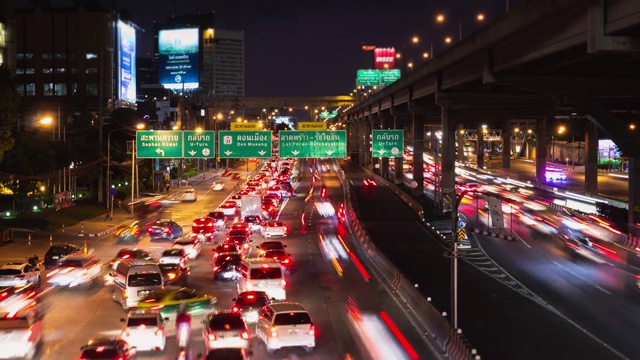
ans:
(140, 126)
(245, 121)
(239, 119)
(306, 107)
(516, 130)
(219, 116)
(398, 56)
(290, 109)
(461, 132)
(448, 40)
(632, 126)
(425, 55)
(232, 112)
(415, 39)
(46, 120)
(410, 64)
(264, 110)
(529, 131)
(561, 129)
(175, 127)
(42, 188)
(480, 17)
(198, 129)
(440, 18)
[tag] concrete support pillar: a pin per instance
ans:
(398, 176)
(506, 145)
(591, 160)
(448, 155)
(634, 193)
(384, 163)
(541, 148)
(418, 151)
(460, 140)
(361, 142)
(480, 148)
(374, 124)
(366, 139)
(437, 175)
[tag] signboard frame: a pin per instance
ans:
(387, 143)
(202, 150)
(227, 149)
(309, 144)
(159, 139)
(179, 65)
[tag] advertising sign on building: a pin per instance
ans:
(384, 58)
(127, 62)
(178, 53)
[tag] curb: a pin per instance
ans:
(492, 234)
(102, 233)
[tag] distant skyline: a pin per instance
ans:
(313, 47)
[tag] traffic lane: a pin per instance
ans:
(372, 298)
(596, 296)
(499, 322)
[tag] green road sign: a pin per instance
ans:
(389, 76)
(199, 144)
(368, 78)
(158, 144)
(387, 143)
(313, 144)
(244, 144)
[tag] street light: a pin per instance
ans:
(440, 18)
(139, 126)
(415, 39)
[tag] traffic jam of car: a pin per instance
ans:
(243, 240)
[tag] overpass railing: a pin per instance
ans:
(432, 323)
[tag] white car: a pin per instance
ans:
(191, 246)
(13, 274)
(76, 270)
(272, 228)
(189, 195)
(225, 329)
(217, 186)
(229, 208)
(175, 256)
(285, 324)
(145, 331)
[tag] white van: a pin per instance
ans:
(262, 274)
(134, 279)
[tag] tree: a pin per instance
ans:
(9, 102)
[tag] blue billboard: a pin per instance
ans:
(178, 52)
(126, 62)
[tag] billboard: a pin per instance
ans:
(126, 62)
(384, 58)
(178, 52)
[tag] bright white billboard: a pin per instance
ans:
(126, 62)
(178, 53)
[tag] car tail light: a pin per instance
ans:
(216, 268)
(245, 335)
(312, 330)
(212, 337)
(171, 276)
(150, 230)
(274, 331)
(157, 307)
(235, 309)
(285, 261)
(284, 282)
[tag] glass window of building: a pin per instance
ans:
(19, 71)
(74, 89)
(47, 56)
(20, 89)
(92, 56)
(61, 56)
(3, 35)
(49, 89)
(74, 71)
(23, 56)
(92, 89)
(61, 89)
(30, 71)
(47, 71)
(60, 71)
(92, 70)
(30, 89)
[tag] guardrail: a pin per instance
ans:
(428, 319)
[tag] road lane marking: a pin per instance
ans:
(522, 241)
(603, 290)
(282, 208)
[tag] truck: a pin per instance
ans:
(20, 333)
(250, 205)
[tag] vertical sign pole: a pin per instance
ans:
(133, 171)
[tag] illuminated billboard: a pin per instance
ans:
(126, 62)
(178, 52)
(384, 58)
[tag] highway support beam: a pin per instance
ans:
(480, 147)
(460, 132)
(506, 144)
(541, 148)
(617, 130)
(417, 127)
(386, 120)
(361, 141)
(591, 159)
(374, 124)
(448, 164)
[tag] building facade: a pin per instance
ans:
(65, 62)
(228, 64)
(7, 37)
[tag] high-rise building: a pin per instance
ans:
(73, 62)
(227, 52)
(7, 36)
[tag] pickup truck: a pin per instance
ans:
(21, 334)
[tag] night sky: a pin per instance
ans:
(313, 47)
